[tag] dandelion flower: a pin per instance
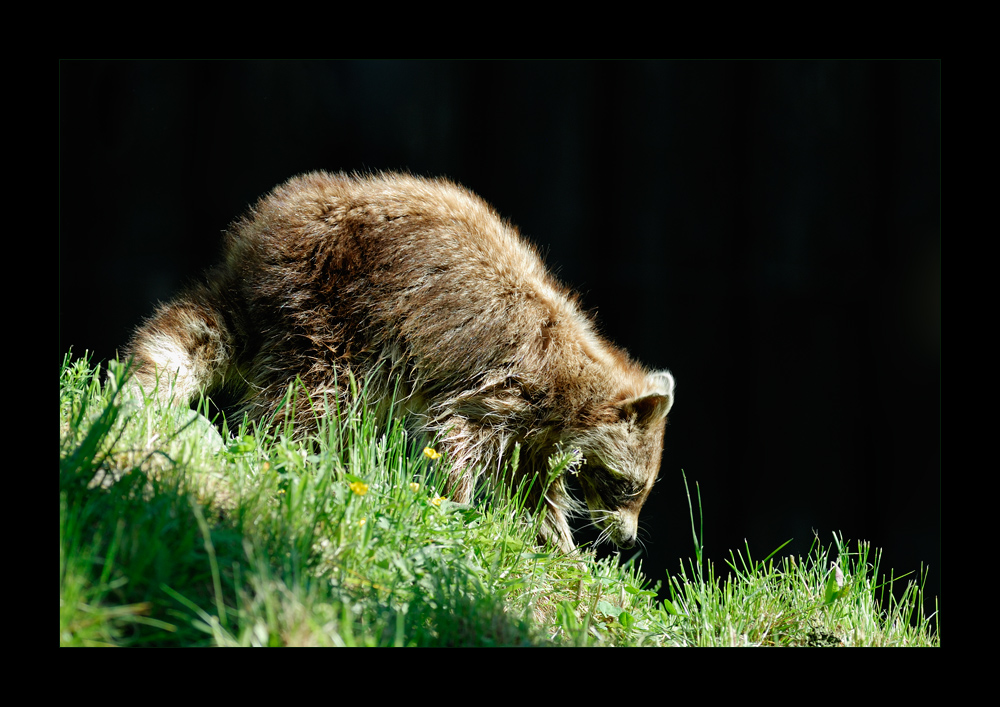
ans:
(431, 453)
(436, 501)
(358, 487)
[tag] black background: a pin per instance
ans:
(769, 231)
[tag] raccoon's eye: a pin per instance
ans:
(625, 487)
(618, 476)
(598, 468)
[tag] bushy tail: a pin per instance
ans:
(185, 348)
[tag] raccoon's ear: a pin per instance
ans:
(654, 404)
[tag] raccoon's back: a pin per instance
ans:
(356, 264)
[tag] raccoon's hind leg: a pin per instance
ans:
(184, 349)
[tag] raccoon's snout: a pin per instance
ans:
(625, 542)
(622, 529)
(612, 506)
(618, 526)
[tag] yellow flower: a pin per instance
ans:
(431, 453)
(414, 486)
(436, 501)
(358, 487)
(362, 522)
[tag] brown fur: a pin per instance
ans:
(419, 281)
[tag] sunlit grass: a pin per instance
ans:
(174, 532)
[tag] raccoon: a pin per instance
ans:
(420, 286)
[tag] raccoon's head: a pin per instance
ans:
(622, 459)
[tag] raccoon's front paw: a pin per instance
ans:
(558, 534)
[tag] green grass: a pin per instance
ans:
(172, 534)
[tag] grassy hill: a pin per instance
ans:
(172, 533)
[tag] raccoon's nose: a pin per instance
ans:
(625, 534)
(626, 542)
